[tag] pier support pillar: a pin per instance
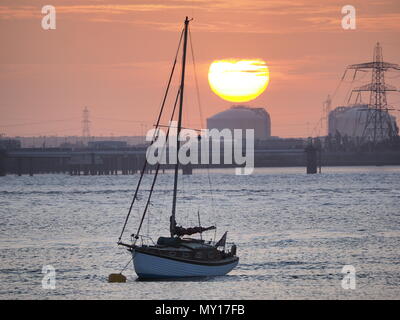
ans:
(187, 169)
(3, 163)
(31, 167)
(19, 167)
(311, 156)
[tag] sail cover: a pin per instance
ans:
(180, 231)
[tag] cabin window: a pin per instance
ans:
(186, 255)
(172, 253)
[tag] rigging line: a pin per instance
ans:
(201, 116)
(126, 265)
(157, 170)
(181, 98)
(122, 120)
(148, 224)
(198, 218)
(154, 135)
(195, 79)
(169, 81)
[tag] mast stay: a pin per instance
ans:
(172, 218)
(153, 139)
(174, 229)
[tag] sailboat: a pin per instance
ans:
(177, 256)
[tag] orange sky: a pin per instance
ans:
(115, 57)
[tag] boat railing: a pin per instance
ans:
(144, 240)
(227, 248)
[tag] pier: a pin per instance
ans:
(127, 161)
(90, 162)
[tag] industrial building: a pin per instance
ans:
(241, 117)
(107, 144)
(9, 144)
(354, 121)
(368, 122)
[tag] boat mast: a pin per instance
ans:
(172, 219)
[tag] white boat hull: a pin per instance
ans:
(150, 266)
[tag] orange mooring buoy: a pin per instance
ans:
(116, 277)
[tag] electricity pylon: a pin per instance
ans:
(379, 125)
(85, 124)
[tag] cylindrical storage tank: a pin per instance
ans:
(352, 121)
(241, 117)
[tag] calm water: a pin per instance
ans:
(294, 233)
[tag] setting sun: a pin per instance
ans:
(238, 80)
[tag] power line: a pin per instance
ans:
(35, 123)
